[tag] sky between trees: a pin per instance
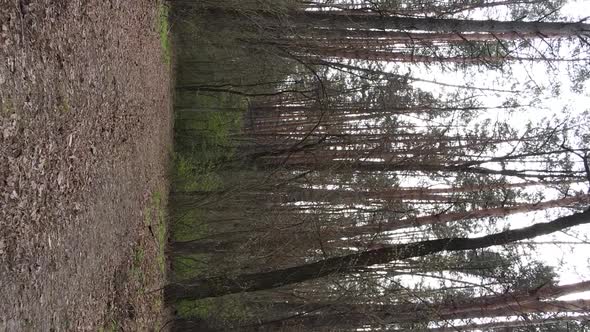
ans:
(571, 260)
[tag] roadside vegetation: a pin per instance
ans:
(207, 124)
(163, 28)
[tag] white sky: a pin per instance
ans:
(572, 261)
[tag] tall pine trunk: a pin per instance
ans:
(199, 288)
(330, 20)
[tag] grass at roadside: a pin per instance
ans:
(155, 219)
(6, 106)
(163, 27)
(146, 271)
(136, 270)
(112, 326)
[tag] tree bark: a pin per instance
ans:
(511, 304)
(466, 167)
(342, 320)
(458, 216)
(222, 285)
(330, 20)
(509, 324)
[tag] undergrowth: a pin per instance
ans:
(215, 75)
(163, 27)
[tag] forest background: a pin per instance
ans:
(380, 165)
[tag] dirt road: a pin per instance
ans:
(85, 135)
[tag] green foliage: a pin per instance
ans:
(189, 266)
(228, 311)
(204, 140)
(203, 134)
(189, 225)
(222, 53)
(194, 309)
(278, 7)
(203, 117)
(532, 275)
(192, 174)
(215, 73)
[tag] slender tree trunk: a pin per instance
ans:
(307, 35)
(223, 285)
(496, 326)
(331, 20)
(512, 304)
(463, 167)
(358, 53)
(352, 319)
(458, 216)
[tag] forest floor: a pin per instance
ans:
(85, 142)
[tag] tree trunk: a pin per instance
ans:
(390, 316)
(223, 285)
(334, 21)
(495, 326)
(359, 53)
(368, 166)
(512, 304)
(459, 216)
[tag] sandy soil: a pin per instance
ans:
(85, 135)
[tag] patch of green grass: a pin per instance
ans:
(189, 266)
(64, 105)
(6, 106)
(203, 141)
(194, 309)
(112, 326)
(147, 215)
(155, 217)
(192, 174)
(158, 302)
(28, 323)
(189, 225)
(160, 230)
(138, 256)
(227, 311)
(161, 236)
(164, 31)
(136, 267)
